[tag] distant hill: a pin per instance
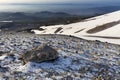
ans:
(21, 16)
(47, 14)
(21, 20)
(105, 9)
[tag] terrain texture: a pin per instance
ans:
(78, 59)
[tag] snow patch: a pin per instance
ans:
(3, 57)
(84, 26)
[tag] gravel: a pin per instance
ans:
(79, 59)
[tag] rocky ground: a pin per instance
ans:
(78, 59)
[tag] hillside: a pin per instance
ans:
(67, 55)
(104, 28)
(78, 59)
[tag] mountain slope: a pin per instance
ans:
(104, 28)
(78, 59)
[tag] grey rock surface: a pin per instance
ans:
(40, 54)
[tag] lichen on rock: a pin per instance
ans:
(40, 54)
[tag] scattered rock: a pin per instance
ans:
(40, 54)
(1, 53)
(3, 69)
(78, 59)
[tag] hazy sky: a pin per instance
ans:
(53, 1)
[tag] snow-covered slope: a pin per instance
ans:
(104, 28)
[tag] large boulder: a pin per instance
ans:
(40, 54)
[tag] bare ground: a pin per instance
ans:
(103, 27)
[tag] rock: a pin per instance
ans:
(3, 69)
(1, 53)
(40, 54)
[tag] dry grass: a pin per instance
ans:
(79, 30)
(59, 29)
(41, 29)
(103, 27)
(88, 20)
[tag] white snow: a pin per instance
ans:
(6, 21)
(82, 27)
(2, 57)
(113, 31)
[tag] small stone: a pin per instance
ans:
(4, 69)
(118, 62)
(11, 54)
